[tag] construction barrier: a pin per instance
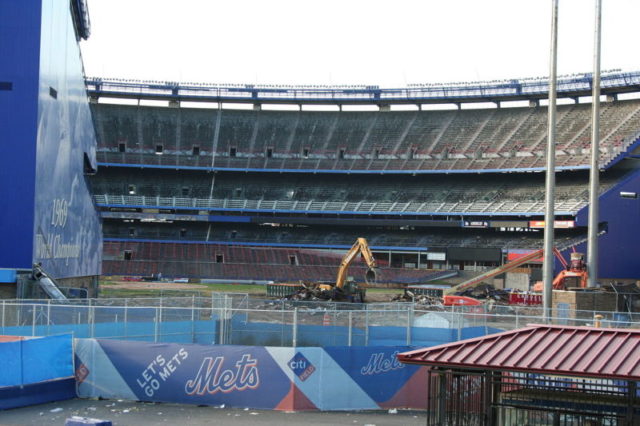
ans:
(425, 291)
(527, 299)
(283, 290)
(302, 378)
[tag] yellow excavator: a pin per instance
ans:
(345, 287)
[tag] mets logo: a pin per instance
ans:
(212, 377)
(301, 366)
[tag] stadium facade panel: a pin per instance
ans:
(48, 144)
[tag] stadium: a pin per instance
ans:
(193, 192)
(188, 185)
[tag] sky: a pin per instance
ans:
(390, 43)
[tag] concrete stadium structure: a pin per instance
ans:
(430, 189)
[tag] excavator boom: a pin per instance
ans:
(360, 246)
(558, 283)
(495, 272)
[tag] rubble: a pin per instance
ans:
(486, 291)
(421, 299)
(313, 292)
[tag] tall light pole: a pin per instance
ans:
(594, 173)
(550, 183)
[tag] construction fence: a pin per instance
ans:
(237, 319)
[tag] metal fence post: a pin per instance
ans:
(126, 316)
(220, 325)
(294, 332)
(350, 328)
(160, 308)
(92, 315)
(48, 317)
(486, 321)
(33, 320)
(3, 309)
(408, 327)
(90, 318)
(193, 320)
(366, 327)
(155, 327)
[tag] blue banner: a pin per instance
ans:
(303, 378)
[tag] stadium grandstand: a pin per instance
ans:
(280, 194)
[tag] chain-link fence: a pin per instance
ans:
(241, 320)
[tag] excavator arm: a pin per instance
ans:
(360, 246)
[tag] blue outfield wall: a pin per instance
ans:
(140, 324)
(301, 378)
(258, 334)
(272, 334)
(204, 332)
(35, 371)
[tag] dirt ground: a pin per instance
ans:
(152, 285)
(122, 413)
(371, 297)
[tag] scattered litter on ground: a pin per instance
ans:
(56, 410)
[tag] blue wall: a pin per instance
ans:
(19, 67)
(617, 252)
(49, 215)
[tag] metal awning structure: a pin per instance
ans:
(541, 374)
(543, 349)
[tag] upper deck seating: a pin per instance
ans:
(465, 139)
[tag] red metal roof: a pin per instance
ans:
(545, 349)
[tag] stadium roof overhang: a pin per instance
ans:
(501, 91)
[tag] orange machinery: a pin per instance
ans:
(574, 273)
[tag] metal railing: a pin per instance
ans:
(565, 207)
(421, 93)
